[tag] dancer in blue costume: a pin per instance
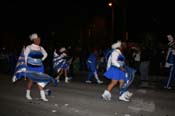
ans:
(116, 72)
(130, 75)
(170, 61)
(31, 67)
(91, 64)
(61, 64)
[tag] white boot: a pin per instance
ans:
(128, 94)
(88, 81)
(43, 96)
(123, 97)
(106, 95)
(66, 79)
(28, 95)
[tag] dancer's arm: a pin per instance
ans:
(44, 53)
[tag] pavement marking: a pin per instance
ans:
(127, 115)
(76, 111)
(56, 105)
(143, 91)
(66, 105)
(138, 105)
(54, 111)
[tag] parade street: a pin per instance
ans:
(80, 99)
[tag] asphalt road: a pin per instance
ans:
(80, 99)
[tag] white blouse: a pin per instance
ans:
(113, 59)
(37, 48)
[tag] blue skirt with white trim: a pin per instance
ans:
(115, 73)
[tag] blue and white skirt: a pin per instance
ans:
(35, 73)
(38, 77)
(129, 79)
(115, 73)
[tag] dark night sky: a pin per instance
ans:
(43, 14)
(22, 18)
(144, 14)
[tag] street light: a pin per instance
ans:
(110, 4)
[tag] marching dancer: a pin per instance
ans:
(170, 61)
(130, 75)
(61, 64)
(92, 67)
(30, 65)
(115, 72)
